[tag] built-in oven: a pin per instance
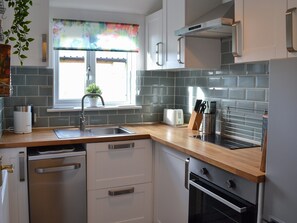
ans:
(217, 196)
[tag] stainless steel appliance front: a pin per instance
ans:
(219, 196)
(57, 184)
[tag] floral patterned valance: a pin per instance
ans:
(98, 36)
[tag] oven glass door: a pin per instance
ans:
(211, 204)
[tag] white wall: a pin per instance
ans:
(39, 14)
(91, 15)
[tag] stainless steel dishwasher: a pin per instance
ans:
(57, 184)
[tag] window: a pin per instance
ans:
(94, 52)
(113, 72)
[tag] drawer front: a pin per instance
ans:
(122, 204)
(120, 163)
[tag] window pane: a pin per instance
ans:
(112, 76)
(72, 72)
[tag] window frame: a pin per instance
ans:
(91, 56)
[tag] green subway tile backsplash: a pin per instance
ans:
(234, 86)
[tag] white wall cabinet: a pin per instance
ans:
(119, 181)
(170, 195)
(154, 41)
(17, 182)
(188, 52)
(39, 17)
(261, 31)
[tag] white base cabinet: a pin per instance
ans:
(119, 181)
(121, 204)
(17, 181)
(170, 195)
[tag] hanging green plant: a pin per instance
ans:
(17, 35)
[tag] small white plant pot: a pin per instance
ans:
(93, 102)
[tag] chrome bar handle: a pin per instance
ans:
(218, 198)
(158, 54)
(289, 30)
(187, 162)
(121, 192)
(179, 60)
(61, 168)
(1, 172)
(22, 166)
(121, 146)
(236, 49)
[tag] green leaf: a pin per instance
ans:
(18, 33)
(12, 38)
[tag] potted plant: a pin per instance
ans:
(17, 34)
(93, 88)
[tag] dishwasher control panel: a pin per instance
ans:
(43, 152)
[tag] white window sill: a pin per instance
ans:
(99, 108)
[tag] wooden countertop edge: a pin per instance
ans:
(258, 178)
(54, 141)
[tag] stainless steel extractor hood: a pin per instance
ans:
(217, 23)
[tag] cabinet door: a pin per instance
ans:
(261, 29)
(125, 204)
(17, 181)
(39, 17)
(121, 163)
(173, 19)
(188, 52)
(171, 196)
(4, 199)
(154, 41)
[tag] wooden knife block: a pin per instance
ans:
(195, 120)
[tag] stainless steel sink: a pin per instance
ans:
(93, 131)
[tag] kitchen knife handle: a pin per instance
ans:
(289, 30)
(179, 50)
(158, 54)
(197, 105)
(236, 44)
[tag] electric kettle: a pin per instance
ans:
(23, 118)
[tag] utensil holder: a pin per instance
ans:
(208, 125)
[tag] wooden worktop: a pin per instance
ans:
(242, 162)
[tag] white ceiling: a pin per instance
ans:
(143, 7)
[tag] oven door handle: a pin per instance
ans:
(218, 198)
